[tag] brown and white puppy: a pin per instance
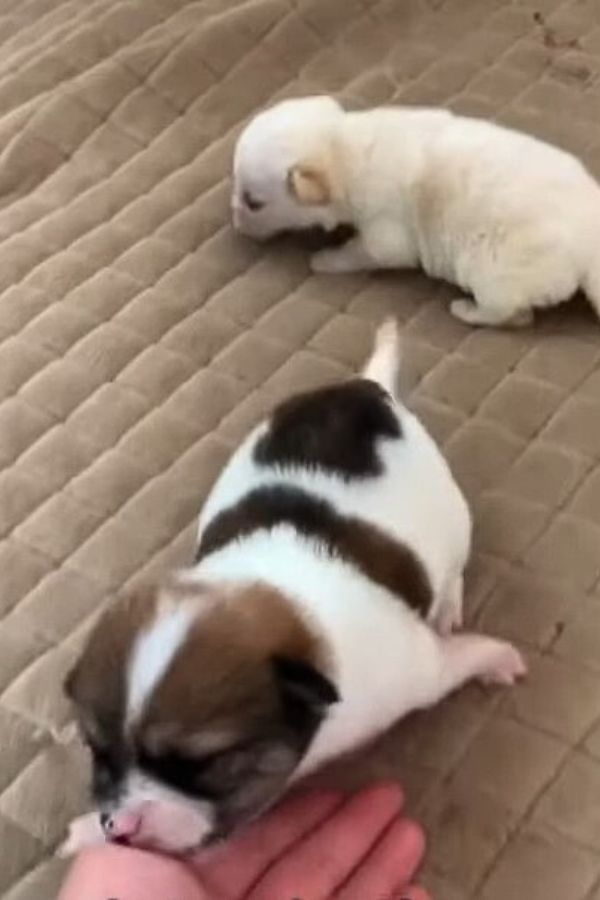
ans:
(328, 576)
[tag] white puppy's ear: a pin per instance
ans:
(309, 185)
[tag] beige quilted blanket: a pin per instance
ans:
(139, 338)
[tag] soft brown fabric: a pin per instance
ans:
(140, 339)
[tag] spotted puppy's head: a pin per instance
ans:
(197, 703)
(287, 168)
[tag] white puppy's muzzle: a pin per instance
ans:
(245, 223)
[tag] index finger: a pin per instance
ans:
(327, 856)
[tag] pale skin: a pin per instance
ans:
(318, 846)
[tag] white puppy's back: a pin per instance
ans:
(512, 220)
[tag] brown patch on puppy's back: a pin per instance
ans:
(380, 557)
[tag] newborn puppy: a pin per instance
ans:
(328, 576)
(512, 220)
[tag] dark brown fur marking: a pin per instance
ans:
(336, 428)
(234, 712)
(252, 675)
(380, 557)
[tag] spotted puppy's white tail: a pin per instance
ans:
(383, 365)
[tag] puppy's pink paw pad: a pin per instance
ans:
(506, 666)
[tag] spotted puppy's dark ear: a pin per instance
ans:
(301, 685)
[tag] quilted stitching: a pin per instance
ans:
(140, 339)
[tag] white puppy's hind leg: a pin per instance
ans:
(384, 363)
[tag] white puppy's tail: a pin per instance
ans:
(383, 365)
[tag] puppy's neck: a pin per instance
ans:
(365, 150)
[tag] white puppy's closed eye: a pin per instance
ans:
(251, 202)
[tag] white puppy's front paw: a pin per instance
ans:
(505, 665)
(465, 310)
(327, 262)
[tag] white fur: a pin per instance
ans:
(153, 652)
(263, 157)
(165, 820)
(512, 220)
(414, 499)
(387, 661)
(148, 815)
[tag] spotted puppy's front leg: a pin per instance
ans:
(447, 613)
(352, 256)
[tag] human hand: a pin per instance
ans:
(315, 846)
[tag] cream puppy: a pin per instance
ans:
(513, 221)
(328, 577)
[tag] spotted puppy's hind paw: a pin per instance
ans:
(506, 665)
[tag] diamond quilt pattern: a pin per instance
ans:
(140, 338)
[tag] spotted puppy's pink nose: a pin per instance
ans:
(121, 825)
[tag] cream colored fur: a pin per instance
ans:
(513, 221)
